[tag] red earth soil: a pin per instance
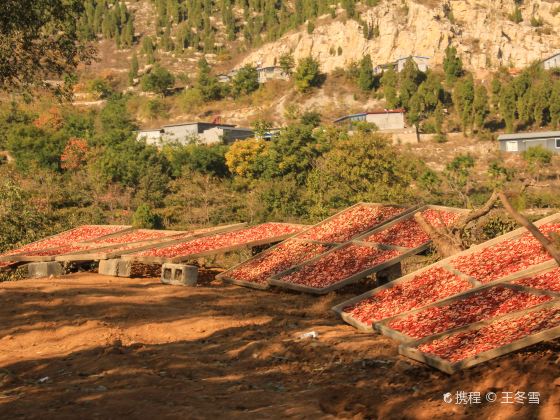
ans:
(88, 346)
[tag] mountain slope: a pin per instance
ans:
(484, 35)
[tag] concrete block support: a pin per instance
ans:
(109, 267)
(179, 274)
(44, 269)
(115, 267)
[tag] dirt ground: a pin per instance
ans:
(88, 346)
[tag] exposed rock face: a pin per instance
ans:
(481, 31)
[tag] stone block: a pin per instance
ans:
(179, 274)
(44, 269)
(115, 267)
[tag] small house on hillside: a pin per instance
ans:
(201, 132)
(552, 62)
(384, 119)
(271, 73)
(522, 141)
(150, 136)
(423, 64)
(184, 132)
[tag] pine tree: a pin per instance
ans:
(128, 33)
(365, 77)
(206, 82)
(452, 64)
(555, 104)
(133, 73)
(389, 82)
(307, 74)
(508, 106)
(481, 108)
(410, 79)
(463, 98)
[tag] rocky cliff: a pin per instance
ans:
(482, 32)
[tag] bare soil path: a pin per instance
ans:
(88, 346)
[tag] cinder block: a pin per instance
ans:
(109, 267)
(44, 269)
(115, 267)
(124, 268)
(179, 274)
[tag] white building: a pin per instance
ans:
(151, 136)
(200, 132)
(423, 64)
(271, 73)
(225, 134)
(552, 62)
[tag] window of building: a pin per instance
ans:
(557, 143)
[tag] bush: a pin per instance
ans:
(245, 81)
(158, 80)
(145, 218)
(307, 74)
(191, 100)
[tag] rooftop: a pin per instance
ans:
(528, 136)
(552, 56)
(198, 122)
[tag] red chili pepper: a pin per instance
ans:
(480, 306)
(460, 346)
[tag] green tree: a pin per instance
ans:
(32, 146)
(389, 82)
(463, 99)
(452, 64)
(133, 72)
(537, 158)
(481, 107)
(516, 16)
(20, 220)
(410, 79)
(159, 80)
(508, 106)
(145, 218)
(307, 74)
(245, 81)
(206, 83)
(287, 63)
(459, 175)
(555, 104)
(365, 77)
(311, 118)
(148, 48)
(364, 167)
(40, 40)
(293, 152)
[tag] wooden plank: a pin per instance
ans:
(411, 349)
(445, 264)
(167, 234)
(277, 281)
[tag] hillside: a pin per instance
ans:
(484, 34)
